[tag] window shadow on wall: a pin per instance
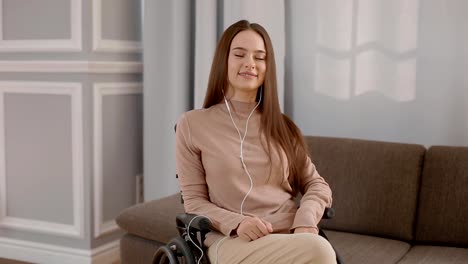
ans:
(366, 46)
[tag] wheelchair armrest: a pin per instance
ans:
(197, 222)
(329, 213)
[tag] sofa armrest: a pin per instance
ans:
(153, 220)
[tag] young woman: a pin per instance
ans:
(241, 162)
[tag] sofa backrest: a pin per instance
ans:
(443, 202)
(375, 184)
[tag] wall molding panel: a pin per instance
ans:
(99, 67)
(109, 45)
(73, 44)
(68, 69)
(52, 254)
(101, 90)
(74, 90)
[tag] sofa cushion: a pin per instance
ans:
(354, 248)
(153, 220)
(375, 184)
(442, 206)
(435, 255)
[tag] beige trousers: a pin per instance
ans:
(274, 248)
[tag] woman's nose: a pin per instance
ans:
(250, 63)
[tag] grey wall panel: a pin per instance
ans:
(39, 157)
(50, 19)
(121, 19)
(122, 151)
(31, 20)
(86, 54)
(71, 77)
(92, 56)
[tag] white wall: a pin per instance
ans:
(357, 71)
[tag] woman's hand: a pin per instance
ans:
(305, 230)
(252, 228)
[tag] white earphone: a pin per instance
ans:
(242, 139)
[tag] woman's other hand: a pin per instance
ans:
(252, 228)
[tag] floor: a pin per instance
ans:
(9, 261)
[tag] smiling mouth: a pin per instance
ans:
(247, 74)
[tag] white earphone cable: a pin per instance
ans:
(242, 139)
(188, 235)
(244, 166)
(217, 247)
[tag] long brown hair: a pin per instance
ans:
(277, 128)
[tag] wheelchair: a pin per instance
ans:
(185, 249)
(189, 248)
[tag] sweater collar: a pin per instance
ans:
(242, 108)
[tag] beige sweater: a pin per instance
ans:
(213, 182)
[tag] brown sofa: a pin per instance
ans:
(395, 203)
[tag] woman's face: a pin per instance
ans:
(246, 65)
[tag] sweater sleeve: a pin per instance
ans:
(316, 195)
(193, 184)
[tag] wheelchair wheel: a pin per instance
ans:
(182, 250)
(164, 255)
(177, 251)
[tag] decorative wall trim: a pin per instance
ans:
(51, 45)
(52, 254)
(74, 91)
(106, 254)
(39, 226)
(105, 67)
(101, 90)
(109, 45)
